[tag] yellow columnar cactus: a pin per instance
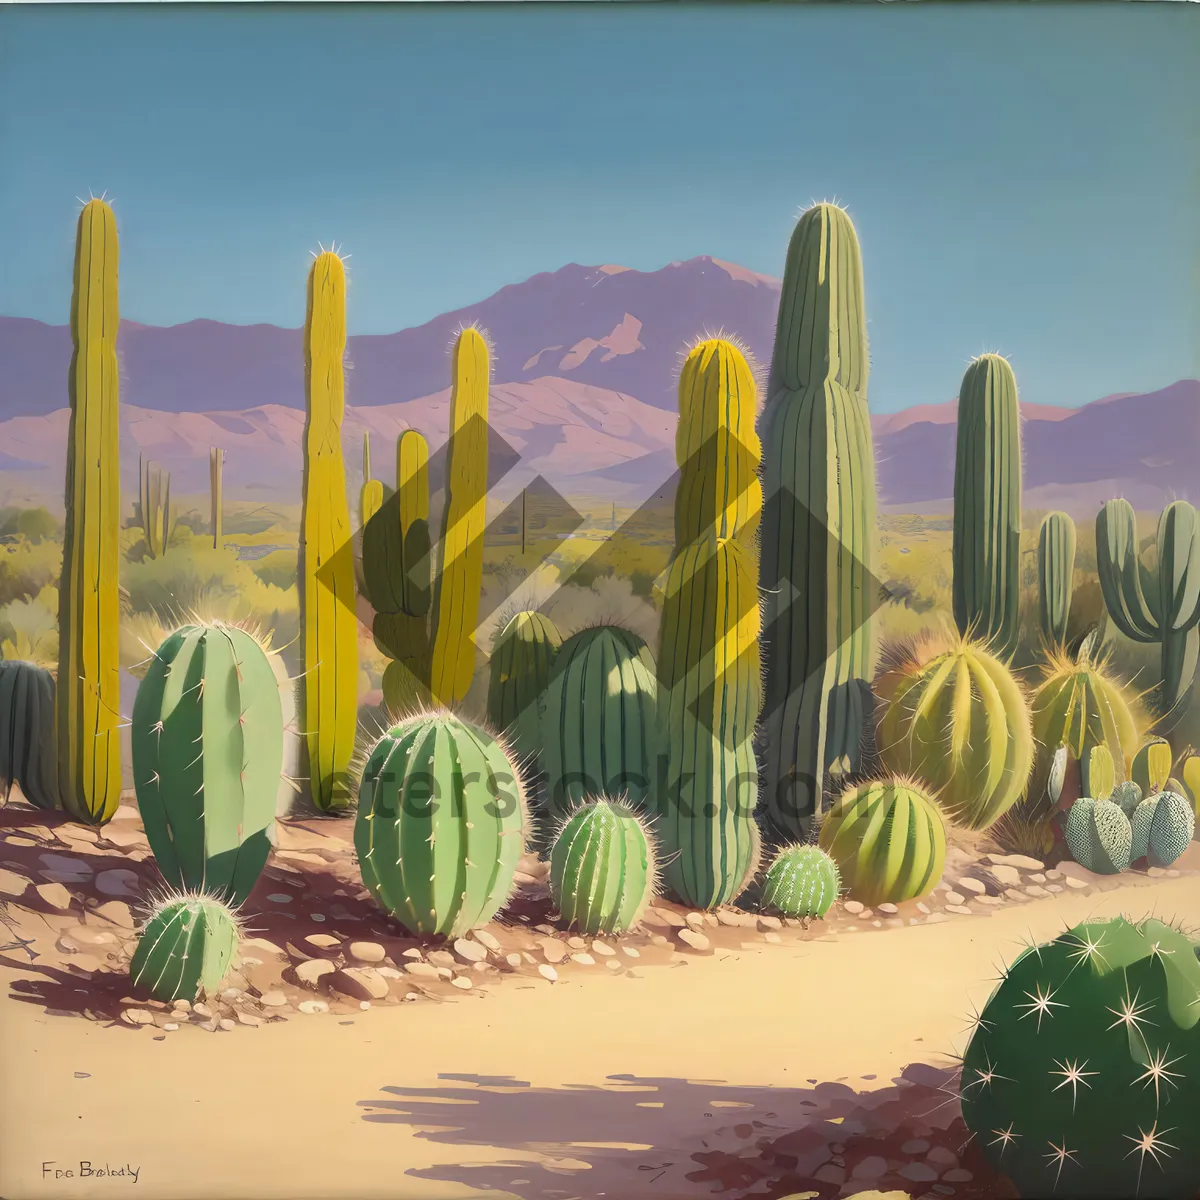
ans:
(371, 498)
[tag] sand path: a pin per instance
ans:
(289, 1110)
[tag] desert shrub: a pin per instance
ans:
(29, 628)
(609, 601)
(35, 524)
(26, 567)
(278, 568)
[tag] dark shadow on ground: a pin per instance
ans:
(650, 1139)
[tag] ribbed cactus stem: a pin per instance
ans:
(987, 506)
(216, 467)
(88, 701)
(328, 593)
(818, 538)
(154, 506)
(371, 498)
(1056, 575)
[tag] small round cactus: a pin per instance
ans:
(802, 881)
(1099, 836)
(185, 947)
(1162, 827)
(1127, 796)
(602, 868)
(1082, 1076)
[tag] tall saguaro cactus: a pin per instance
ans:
(987, 506)
(88, 692)
(818, 540)
(1160, 604)
(329, 622)
(216, 465)
(1056, 575)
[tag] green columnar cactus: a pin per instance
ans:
(1163, 825)
(1152, 766)
(207, 738)
(818, 537)
(459, 579)
(1082, 1077)
(186, 947)
(371, 498)
(987, 505)
(521, 667)
(1056, 576)
(888, 839)
(598, 720)
(1099, 836)
(603, 868)
(88, 697)
(154, 507)
(956, 718)
(27, 733)
(329, 623)
(1160, 605)
(802, 881)
(216, 468)
(441, 824)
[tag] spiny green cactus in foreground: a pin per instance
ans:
(328, 620)
(819, 527)
(1056, 576)
(185, 948)
(888, 839)
(441, 824)
(27, 733)
(987, 506)
(802, 881)
(603, 868)
(521, 666)
(207, 737)
(956, 718)
(88, 696)
(1163, 826)
(1082, 1077)
(1099, 836)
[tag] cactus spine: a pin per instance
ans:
(154, 507)
(88, 693)
(521, 668)
(708, 651)
(216, 468)
(185, 948)
(987, 505)
(27, 733)
(1056, 576)
(1160, 606)
(460, 568)
(818, 542)
(328, 619)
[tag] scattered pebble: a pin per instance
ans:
(915, 1146)
(1037, 890)
(886, 908)
(942, 1155)
(171, 1026)
(773, 938)
(117, 912)
(482, 936)
(202, 1010)
(118, 882)
(1015, 860)
(324, 941)
(279, 898)
(462, 982)
(631, 951)
(955, 898)
(271, 999)
(1008, 876)
(249, 1018)
(226, 1023)
(1037, 877)
(697, 941)
(137, 1016)
(422, 970)
(854, 907)
(771, 922)
(470, 951)
(547, 972)
(368, 952)
(871, 1167)
(917, 1172)
(313, 1006)
(1073, 882)
(958, 1175)
(970, 884)
(12, 884)
(55, 896)
(583, 959)
(553, 951)
(961, 909)
(513, 960)
(311, 971)
(602, 948)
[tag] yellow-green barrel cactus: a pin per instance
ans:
(1160, 605)
(955, 717)
(328, 619)
(888, 839)
(207, 738)
(819, 528)
(460, 568)
(987, 506)
(521, 668)
(88, 697)
(441, 824)
(185, 948)
(599, 720)
(603, 868)
(1056, 576)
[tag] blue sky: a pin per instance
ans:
(1023, 179)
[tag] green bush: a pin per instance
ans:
(26, 567)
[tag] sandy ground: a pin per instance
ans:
(351, 1108)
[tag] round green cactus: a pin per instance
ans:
(602, 868)
(1082, 1076)
(1099, 836)
(1127, 796)
(441, 824)
(1162, 827)
(802, 881)
(522, 662)
(888, 839)
(185, 947)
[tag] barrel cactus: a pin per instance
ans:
(1099, 836)
(603, 868)
(521, 666)
(1056, 576)
(956, 718)
(185, 948)
(802, 881)
(599, 720)
(1162, 825)
(441, 824)
(888, 839)
(1082, 1076)
(207, 737)
(27, 748)
(1127, 796)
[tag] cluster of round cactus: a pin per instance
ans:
(1082, 1077)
